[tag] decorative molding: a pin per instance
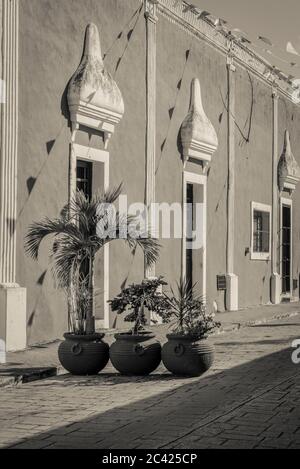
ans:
(9, 142)
(198, 136)
(91, 154)
(187, 17)
(288, 168)
(151, 12)
(94, 98)
(230, 62)
(150, 16)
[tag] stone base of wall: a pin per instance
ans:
(232, 292)
(13, 321)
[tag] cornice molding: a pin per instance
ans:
(187, 19)
(151, 11)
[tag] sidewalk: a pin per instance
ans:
(248, 399)
(41, 361)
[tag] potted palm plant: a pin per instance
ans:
(137, 352)
(187, 351)
(82, 229)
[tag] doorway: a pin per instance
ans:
(286, 248)
(194, 231)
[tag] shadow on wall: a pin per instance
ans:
(64, 104)
(160, 412)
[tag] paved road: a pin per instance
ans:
(250, 399)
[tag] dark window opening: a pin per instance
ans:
(286, 249)
(261, 231)
(84, 173)
(189, 233)
(84, 177)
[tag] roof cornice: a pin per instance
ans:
(178, 13)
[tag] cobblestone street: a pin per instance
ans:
(249, 399)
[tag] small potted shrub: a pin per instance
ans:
(82, 229)
(137, 352)
(188, 352)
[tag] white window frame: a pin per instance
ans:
(260, 256)
(82, 152)
(193, 178)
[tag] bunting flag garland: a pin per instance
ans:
(235, 34)
(220, 23)
(291, 49)
(203, 14)
(265, 40)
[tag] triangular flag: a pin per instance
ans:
(266, 40)
(291, 49)
(203, 14)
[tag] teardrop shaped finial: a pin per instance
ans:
(94, 97)
(288, 168)
(287, 143)
(198, 136)
(196, 98)
(92, 45)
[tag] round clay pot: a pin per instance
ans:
(186, 356)
(83, 354)
(135, 354)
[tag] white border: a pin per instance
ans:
(289, 202)
(260, 256)
(82, 152)
(201, 180)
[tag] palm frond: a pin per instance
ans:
(39, 230)
(109, 196)
(150, 247)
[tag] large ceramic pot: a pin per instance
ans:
(83, 354)
(186, 356)
(135, 354)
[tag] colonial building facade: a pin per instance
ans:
(156, 95)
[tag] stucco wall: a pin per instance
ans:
(175, 71)
(253, 169)
(51, 42)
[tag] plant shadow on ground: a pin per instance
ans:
(256, 342)
(161, 414)
(275, 325)
(22, 371)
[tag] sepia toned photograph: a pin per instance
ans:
(149, 228)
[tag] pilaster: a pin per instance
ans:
(275, 276)
(13, 321)
(151, 20)
(232, 279)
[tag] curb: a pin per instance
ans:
(257, 322)
(27, 376)
(48, 372)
